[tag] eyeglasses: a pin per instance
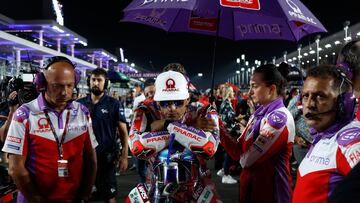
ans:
(177, 103)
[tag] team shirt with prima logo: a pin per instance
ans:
(330, 158)
(30, 135)
(264, 150)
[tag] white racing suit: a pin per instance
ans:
(176, 156)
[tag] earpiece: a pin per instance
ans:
(346, 101)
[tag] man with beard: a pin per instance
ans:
(107, 114)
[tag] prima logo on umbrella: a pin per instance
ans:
(245, 4)
(247, 29)
(154, 17)
(161, 1)
(297, 13)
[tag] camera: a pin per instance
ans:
(14, 84)
(25, 91)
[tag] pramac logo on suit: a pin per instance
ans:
(43, 125)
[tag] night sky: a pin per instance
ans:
(98, 21)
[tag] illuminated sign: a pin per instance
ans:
(142, 75)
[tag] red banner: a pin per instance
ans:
(245, 4)
(206, 24)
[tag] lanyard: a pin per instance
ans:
(59, 143)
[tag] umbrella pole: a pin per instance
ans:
(214, 53)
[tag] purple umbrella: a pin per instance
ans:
(236, 19)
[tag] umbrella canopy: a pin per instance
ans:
(115, 77)
(236, 19)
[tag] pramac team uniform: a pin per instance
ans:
(30, 135)
(330, 158)
(264, 151)
(180, 140)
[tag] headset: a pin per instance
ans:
(107, 81)
(40, 80)
(346, 69)
(345, 102)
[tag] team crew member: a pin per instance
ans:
(161, 133)
(149, 92)
(349, 61)
(265, 146)
(109, 124)
(50, 141)
(328, 108)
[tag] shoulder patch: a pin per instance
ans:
(348, 136)
(21, 113)
(277, 119)
(84, 109)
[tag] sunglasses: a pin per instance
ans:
(177, 103)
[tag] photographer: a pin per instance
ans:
(12, 108)
(17, 93)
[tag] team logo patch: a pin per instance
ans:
(13, 139)
(142, 192)
(21, 114)
(170, 86)
(10, 146)
(349, 135)
(354, 156)
(76, 128)
(277, 119)
(187, 133)
(43, 125)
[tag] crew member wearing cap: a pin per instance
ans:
(166, 131)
